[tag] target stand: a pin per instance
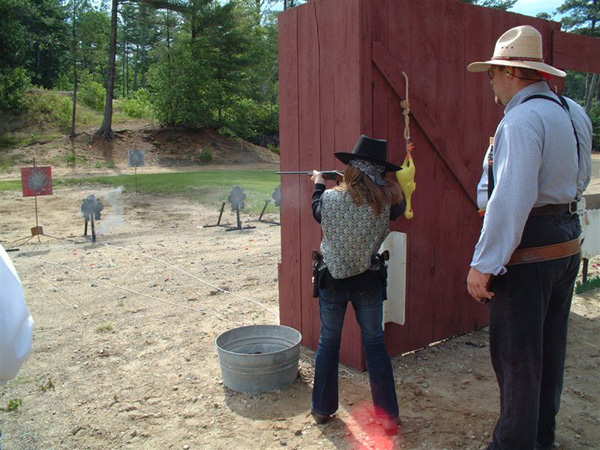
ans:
(277, 199)
(218, 224)
(236, 198)
(91, 211)
(35, 181)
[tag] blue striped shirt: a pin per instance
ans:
(535, 164)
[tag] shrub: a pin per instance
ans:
(138, 105)
(590, 284)
(250, 120)
(92, 94)
(51, 106)
(13, 86)
(206, 155)
(14, 404)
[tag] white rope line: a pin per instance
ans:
(196, 278)
(61, 299)
(140, 293)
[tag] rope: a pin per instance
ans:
(138, 293)
(196, 278)
(182, 271)
(405, 104)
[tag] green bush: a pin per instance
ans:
(180, 90)
(249, 119)
(590, 284)
(138, 105)
(206, 155)
(50, 106)
(14, 404)
(13, 87)
(92, 94)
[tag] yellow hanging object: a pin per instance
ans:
(406, 178)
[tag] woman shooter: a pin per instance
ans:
(355, 219)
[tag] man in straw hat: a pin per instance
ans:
(528, 253)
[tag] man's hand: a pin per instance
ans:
(477, 284)
(317, 177)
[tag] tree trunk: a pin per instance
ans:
(127, 72)
(144, 67)
(123, 66)
(105, 131)
(168, 48)
(591, 94)
(74, 72)
(135, 69)
(38, 76)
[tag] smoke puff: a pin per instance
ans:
(114, 200)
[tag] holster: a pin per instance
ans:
(318, 272)
(380, 259)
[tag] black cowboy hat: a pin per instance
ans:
(369, 149)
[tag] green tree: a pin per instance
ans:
(496, 4)
(93, 31)
(105, 130)
(583, 17)
(199, 80)
(49, 42)
(34, 36)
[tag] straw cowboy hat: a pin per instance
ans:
(518, 47)
(369, 149)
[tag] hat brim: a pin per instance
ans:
(346, 157)
(540, 66)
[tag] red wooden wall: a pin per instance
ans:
(341, 64)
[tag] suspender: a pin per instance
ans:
(490, 162)
(563, 104)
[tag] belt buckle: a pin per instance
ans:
(572, 207)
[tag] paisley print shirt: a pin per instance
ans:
(351, 234)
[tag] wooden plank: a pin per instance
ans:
(480, 123)
(325, 16)
(575, 52)
(290, 306)
(425, 35)
(309, 155)
(366, 78)
(347, 129)
(395, 19)
(380, 91)
(449, 304)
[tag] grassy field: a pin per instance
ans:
(207, 187)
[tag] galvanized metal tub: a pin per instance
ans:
(259, 358)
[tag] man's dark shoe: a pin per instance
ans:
(319, 418)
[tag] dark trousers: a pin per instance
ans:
(528, 337)
(368, 307)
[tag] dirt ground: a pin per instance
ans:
(124, 348)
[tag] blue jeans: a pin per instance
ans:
(368, 307)
(528, 337)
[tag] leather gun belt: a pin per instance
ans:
(548, 210)
(545, 252)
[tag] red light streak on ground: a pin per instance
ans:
(364, 428)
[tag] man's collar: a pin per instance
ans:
(541, 87)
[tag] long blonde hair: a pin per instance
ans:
(361, 188)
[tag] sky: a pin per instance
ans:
(533, 7)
